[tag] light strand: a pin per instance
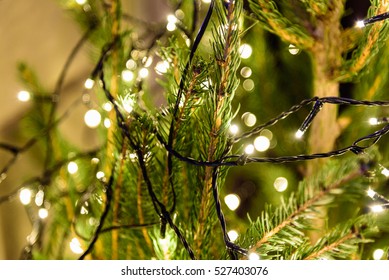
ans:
(371, 20)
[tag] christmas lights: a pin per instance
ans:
(380, 17)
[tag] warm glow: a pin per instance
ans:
(293, 50)
(89, 83)
(245, 51)
(107, 123)
(253, 257)
(234, 129)
(232, 201)
(75, 246)
(233, 235)
(72, 167)
(100, 175)
(162, 67)
(131, 64)
(299, 134)
(92, 118)
(377, 208)
(378, 254)
(248, 85)
(25, 196)
(107, 106)
(360, 24)
(280, 184)
(127, 75)
(371, 193)
(385, 172)
(143, 73)
(373, 121)
(249, 149)
(24, 96)
(246, 72)
(39, 198)
(261, 143)
(81, 2)
(249, 119)
(43, 213)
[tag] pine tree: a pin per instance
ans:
(154, 188)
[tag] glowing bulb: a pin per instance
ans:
(373, 121)
(100, 175)
(299, 134)
(280, 184)
(248, 85)
(249, 119)
(234, 129)
(131, 64)
(81, 2)
(75, 246)
(293, 50)
(171, 26)
(95, 161)
(127, 75)
(143, 73)
(261, 143)
(246, 72)
(378, 254)
(233, 235)
(107, 123)
(43, 213)
(92, 118)
(172, 18)
(72, 167)
(24, 96)
(371, 193)
(253, 257)
(249, 149)
(162, 67)
(360, 24)
(25, 196)
(245, 51)
(207, 1)
(232, 201)
(107, 106)
(377, 208)
(385, 172)
(89, 83)
(39, 198)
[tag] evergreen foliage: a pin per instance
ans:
(162, 171)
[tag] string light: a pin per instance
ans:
(380, 17)
(280, 184)
(81, 2)
(43, 213)
(249, 119)
(377, 121)
(39, 198)
(377, 208)
(245, 51)
(25, 196)
(24, 96)
(75, 246)
(293, 50)
(127, 75)
(207, 1)
(308, 120)
(378, 254)
(171, 23)
(249, 149)
(385, 171)
(89, 83)
(232, 201)
(100, 175)
(261, 143)
(92, 118)
(131, 64)
(253, 257)
(233, 235)
(72, 167)
(143, 73)
(234, 129)
(248, 85)
(107, 106)
(162, 67)
(107, 123)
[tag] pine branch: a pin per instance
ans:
(268, 12)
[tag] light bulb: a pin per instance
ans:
(143, 73)
(89, 83)
(280, 184)
(127, 75)
(261, 143)
(299, 134)
(371, 193)
(377, 208)
(72, 167)
(24, 96)
(253, 257)
(92, 118)
(373, 121)
(378, 254)
(249, 149)
(25, 196)
(81, 2)
(245, 51)
(234, 129)
(75, 246)
(232, 201)
(233, 235)
(43, 213)
(360, 24)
